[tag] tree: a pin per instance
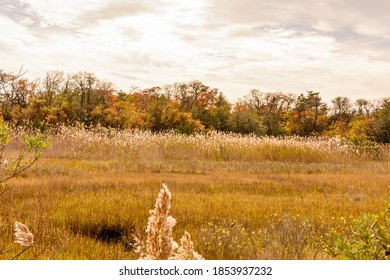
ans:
(244, 120)
(341, 109)
(122, 114)
(205, 104)
(52, 84)
(341, 115)
(380, 130)
(314, 103)
(86, 83)
(270, 108)
(163, 114)
(309, 115)
(220, 113)
(363, 106)
(15, 93)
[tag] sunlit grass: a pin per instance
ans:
(277, 198)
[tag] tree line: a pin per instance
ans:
(187, 107)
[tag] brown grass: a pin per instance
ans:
(85, 206)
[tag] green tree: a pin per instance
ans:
(220, 113)
(380, 130)
(245, 120)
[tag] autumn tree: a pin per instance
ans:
(271, 108)
(162, 113)
(363, 106)
(52, 85)
(309, 115)
(15, 93)
(206, 104)
(341, 109)
(340, 115)
(186, 107)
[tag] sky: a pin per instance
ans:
(335, 47)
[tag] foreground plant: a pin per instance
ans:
(23, 237)
(370, 238)
(31, 148)
(186, 250)
(159, 241)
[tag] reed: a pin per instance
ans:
(159, 242)
(240, 197)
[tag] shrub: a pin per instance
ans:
(225, 239)
(287, 238)
(370, 238)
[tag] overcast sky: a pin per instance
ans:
(336, 47)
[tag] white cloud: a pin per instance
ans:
(335, 47)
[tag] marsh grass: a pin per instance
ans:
(261, 198)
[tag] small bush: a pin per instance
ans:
(225, 239)
(287, 238)
(370, 238)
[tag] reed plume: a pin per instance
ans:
(159, 241)
(186, 250)
(23, 235)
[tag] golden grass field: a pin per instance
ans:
(240, 197)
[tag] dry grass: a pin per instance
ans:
(240, 198)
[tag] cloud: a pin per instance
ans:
(116, 9)
(336, 47)
(268, 12)
(304, 12)
(21, 13)
(37, 23)
(347, 21)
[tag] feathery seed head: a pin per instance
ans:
(186, 250)
(159, 243)
(23, 235)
